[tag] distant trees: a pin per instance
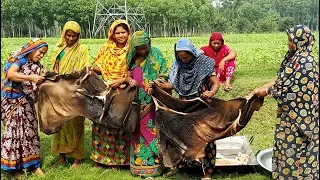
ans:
(26, 18)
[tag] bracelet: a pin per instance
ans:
(266, 89)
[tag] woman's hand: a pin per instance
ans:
(132, 82)
(115, 83)
(37, 79)
(260, 92)
(163, 84)
(208, 94)
(222, 64)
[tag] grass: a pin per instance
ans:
(259, 56)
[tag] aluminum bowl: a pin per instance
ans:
(264, 159)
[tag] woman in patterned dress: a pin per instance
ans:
(296, 88)
(192, 75)
(145, 64)
(70, 55)
(111, 146)
(20, 143)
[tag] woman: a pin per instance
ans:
(295, 88)
(20, 143)
(70, 55)
(145, 64)
(224, 58)
(192, 75)
(111, 146)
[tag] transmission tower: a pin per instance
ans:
(105, 16)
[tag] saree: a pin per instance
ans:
(145, 159)
(111, 146)
(70, 140)
(20, 143)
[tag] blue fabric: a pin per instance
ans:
(32, 164)
(13, 89)
(186, 78)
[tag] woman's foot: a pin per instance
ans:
(75, 164)
(96, 165)
(207, 176)
(38, 171)
(17, 174)
(228, 86)
(62, 159)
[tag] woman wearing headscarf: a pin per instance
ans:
(224, 58)
(111, 146)
(70, 55)
(192, 75)
(20, 142)
(295, 88)
(145, 64)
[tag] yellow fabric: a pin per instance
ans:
(111, 59)
(70, 140)
(76, 57)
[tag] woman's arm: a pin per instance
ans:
(13, 74)
(231, 55)
(263, 91)
(214, 87)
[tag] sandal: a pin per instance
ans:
(228, 88)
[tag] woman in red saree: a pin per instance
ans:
(224, 58)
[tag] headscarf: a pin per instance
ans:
(139, 38)
(299, 64)
(111, 59)
(13, 89)
(216, 55)
(186, 78)
(153, 66)
(77, 56)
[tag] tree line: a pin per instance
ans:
(45, 18)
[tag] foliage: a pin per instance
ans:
(259, 56)
(45, 18)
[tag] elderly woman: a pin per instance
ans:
(192, 75)
(70, 55)
(296, 88)
(145, 64)
(111, 146)
(20, 142)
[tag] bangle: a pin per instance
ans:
(266, 89)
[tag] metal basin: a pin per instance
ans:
(264, 159)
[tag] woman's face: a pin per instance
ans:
(216, 44)
(71, 37)
(38, 54)
(291, 46)
(185, 56)
(120, 35)
(143, 50)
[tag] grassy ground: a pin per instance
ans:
(259, 56)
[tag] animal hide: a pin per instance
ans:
(83, 93)
(186, 126)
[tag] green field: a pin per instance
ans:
(259, 56)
